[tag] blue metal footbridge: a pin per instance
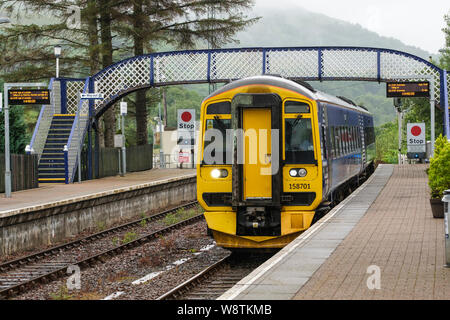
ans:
(63, 125)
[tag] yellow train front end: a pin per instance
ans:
(259, 177)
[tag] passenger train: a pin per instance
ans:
(274, 156)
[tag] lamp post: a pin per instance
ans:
(57, 55)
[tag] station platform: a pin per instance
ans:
(381, 242)
(54, 213)
(52, 194)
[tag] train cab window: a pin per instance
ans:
(299, 147)
(296, 107)
(216, 150)
(223, 107)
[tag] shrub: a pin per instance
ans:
(439, 171)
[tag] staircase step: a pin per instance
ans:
(47, 169)
(52, 145)
(64, 115)
(47, 166)
(51, 175)
(52, 180)
(53, 155)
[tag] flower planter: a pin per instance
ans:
(437, 207)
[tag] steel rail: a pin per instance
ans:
(12, 264)
(195, 280)
(54, 270)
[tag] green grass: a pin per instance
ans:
(180, 215)
(129, 236)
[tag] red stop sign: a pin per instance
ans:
(186, 116)
(415, 131)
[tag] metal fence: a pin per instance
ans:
(24, 172)
(170, 162)
(139, 158)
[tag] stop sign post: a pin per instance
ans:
(186, 130)
(416, 142)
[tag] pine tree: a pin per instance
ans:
(179, 22)
(111, 30)
(445, 52)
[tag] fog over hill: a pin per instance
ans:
(294, 26)
(297, 27)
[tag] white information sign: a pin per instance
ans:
(186, 127)
(416, 137)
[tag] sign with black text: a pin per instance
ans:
(186, 127)
(415, 140)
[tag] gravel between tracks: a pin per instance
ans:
(118, 272)
(100, 227)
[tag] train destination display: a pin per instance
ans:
(28, 96)
(407, 89)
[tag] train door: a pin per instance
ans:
(257, 175)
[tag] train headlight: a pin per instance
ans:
(219, 173)
(298, 172)
(215, 173)
(302, 172)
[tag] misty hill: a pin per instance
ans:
(294, 26)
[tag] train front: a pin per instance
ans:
(259, 177)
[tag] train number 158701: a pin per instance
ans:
(299, 186)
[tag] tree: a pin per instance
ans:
(179, 22)
(445, 52)
(110, 30)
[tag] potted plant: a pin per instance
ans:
(439, 175)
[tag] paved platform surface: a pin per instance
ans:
(49, 193)
(386, 224)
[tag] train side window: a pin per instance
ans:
(347, 140)
(336, 151)
(296, 107)
(350, 137)
(333, 151)
(353, 138)
(338, 141)
(347, 136)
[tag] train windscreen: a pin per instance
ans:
(299, 147)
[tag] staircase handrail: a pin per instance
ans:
(42, 125)
(76, 138)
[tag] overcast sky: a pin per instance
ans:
(414, 22)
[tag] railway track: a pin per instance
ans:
(22, 274)
(216, 279)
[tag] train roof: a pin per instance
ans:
(300, 87)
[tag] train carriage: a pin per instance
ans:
(274, 156)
